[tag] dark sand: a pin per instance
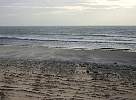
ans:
(40, 73)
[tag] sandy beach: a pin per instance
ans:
(41, 73)
(67, 50)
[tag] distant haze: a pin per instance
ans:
(67, 12)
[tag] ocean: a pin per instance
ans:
(75, 37)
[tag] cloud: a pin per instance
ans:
(47, 7)
(109, 3)
(73, 5)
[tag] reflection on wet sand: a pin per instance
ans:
(56, 80)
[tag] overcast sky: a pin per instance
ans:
(67, 12)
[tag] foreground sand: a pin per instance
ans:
(56, 80)
(39, 73)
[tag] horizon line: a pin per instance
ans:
(58, 25)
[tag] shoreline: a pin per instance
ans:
(102, 56)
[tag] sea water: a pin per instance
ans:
(84, 37)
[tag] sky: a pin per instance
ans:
(67, 12)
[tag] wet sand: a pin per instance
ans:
(39, 73)
(105, 56)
